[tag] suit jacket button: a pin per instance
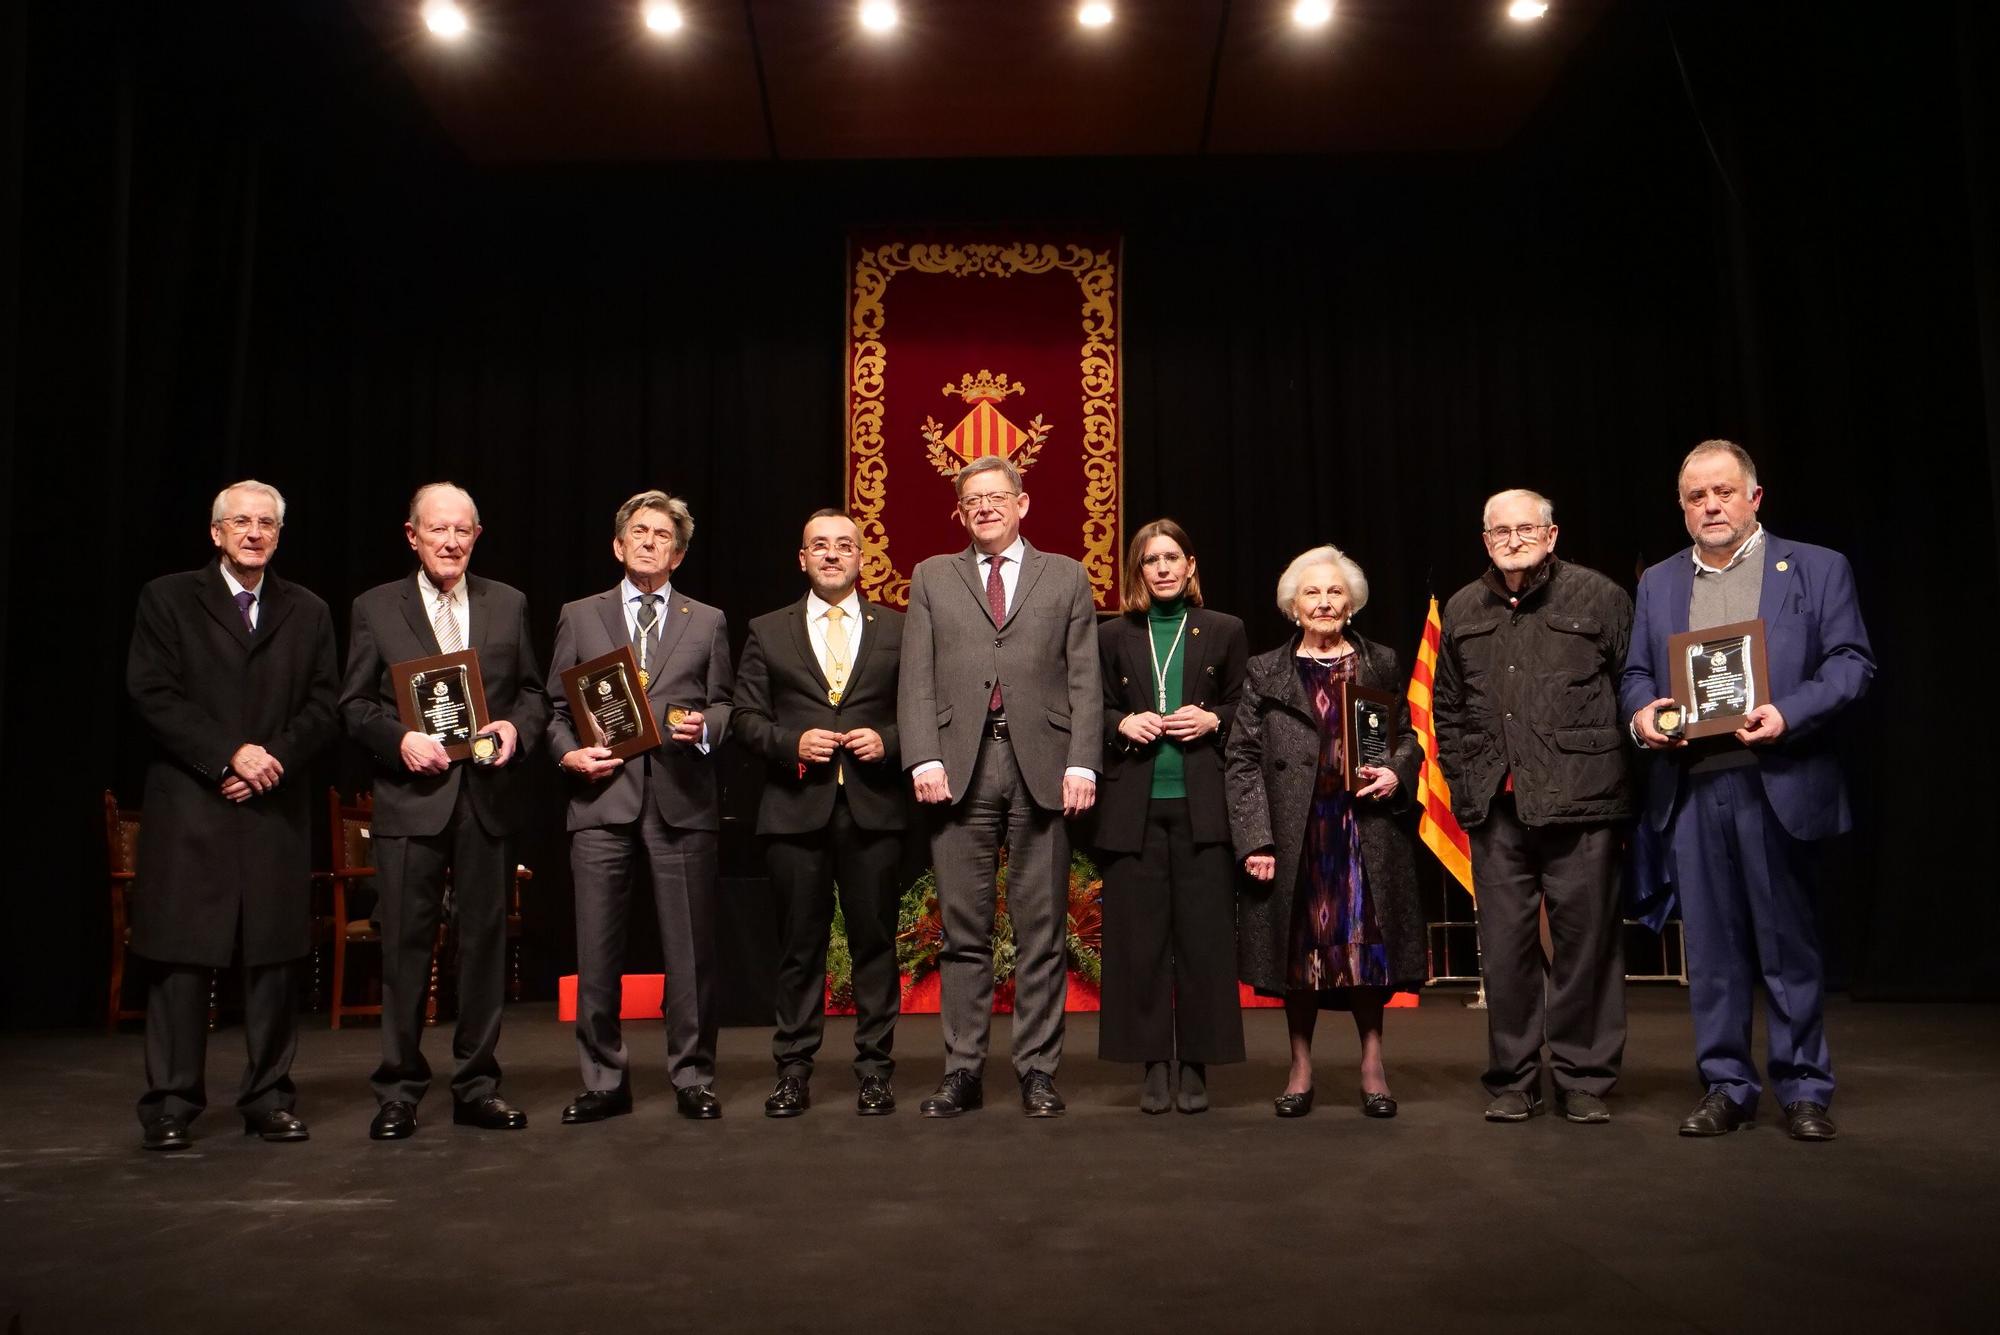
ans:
(996, 644)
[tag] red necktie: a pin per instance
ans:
(996, 603)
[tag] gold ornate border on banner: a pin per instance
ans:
(868, 470)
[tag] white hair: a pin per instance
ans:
(417, 499)
(1545, 509)
(218, 510)
(1328, 555)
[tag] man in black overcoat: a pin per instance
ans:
(816, 698)
(434, 815)
(233, 672)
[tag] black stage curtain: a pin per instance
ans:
(241, 248)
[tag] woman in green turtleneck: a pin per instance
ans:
(1172, 672)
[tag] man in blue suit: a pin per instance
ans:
(1736, 811)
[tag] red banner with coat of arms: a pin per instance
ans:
(964, 345)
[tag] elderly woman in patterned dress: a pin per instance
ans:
(1331, 920)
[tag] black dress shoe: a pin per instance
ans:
(1808, 1121)
(594, 1105)
(876, 1099)
(1716, 1115)
(1192, 1095)
(958, 1092)
(396, 1121)
(277, 1126)
(1038, 1095)
(792, 1097)
(1377, 1105)
(1293, 1105)
(698, 1103)
(491, 1113)
(166, 1132)
(1156, 1092)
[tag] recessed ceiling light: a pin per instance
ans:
(446, 20)
(1093, 15)
(1312, 13)
(878, 15)
(662, 16)
(1527, 11)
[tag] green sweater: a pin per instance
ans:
(1166, 622)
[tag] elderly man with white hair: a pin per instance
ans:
(1526, 707)
(232, 671)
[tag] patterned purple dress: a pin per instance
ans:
(1336, 939)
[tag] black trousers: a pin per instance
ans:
(807, 870)
(1170, 948)
(1575, 1004)
(177, 1039)
(410, 873)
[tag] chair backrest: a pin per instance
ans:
(121, 838)
(351, 826)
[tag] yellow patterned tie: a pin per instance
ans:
(837, 666)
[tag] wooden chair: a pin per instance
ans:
(350, 833)
(121, 849)
(121, 857)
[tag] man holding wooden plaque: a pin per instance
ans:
(1527, 716)
(640, 681)
(1743, 648)
(443, 690)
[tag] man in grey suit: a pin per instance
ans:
(661, 805)
(1001, 719)
(434, 816)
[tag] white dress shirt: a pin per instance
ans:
(816, 610)
(461, 606)
(631, 595)
(236, 587)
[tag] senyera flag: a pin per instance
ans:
(1436, 826)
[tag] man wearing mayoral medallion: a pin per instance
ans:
(1737, 812)
(436, 817)
(659, 806)
(232, 671)
(1001, 718)
(816, 698)
(1527, 716)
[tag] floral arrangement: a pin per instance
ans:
(920, 933)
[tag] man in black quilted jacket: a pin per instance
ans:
(1526, 706)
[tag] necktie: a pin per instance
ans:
(996, 603)
(648, 616)
(837, 666)
(450, 638)
(244, 602)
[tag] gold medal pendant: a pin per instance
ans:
(645, 679)
(676, 716)
(833, 695)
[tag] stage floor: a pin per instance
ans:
(1105, 1220)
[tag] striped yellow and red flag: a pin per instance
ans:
(1437, 827)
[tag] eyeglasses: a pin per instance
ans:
(1525, 532)
(845, 547)
(244, 523)
(992, 500)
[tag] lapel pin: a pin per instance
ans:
(1784, 565)
(1194, 630)
(684, 609)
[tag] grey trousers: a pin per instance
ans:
(177, 1039)
(965, 849)
(1575, 1004)
(682, 866)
